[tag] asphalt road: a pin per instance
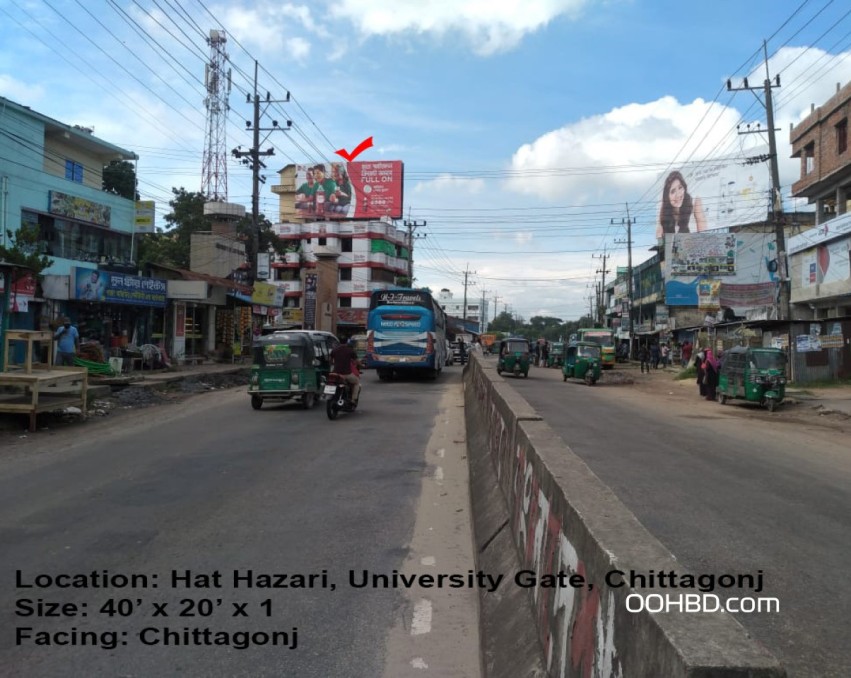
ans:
(727, 490)
(209, 488)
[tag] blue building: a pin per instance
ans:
(51, 177)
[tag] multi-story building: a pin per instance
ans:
(476, 314)
(361, 256)
(51, 179)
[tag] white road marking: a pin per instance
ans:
(428, 560)
(421, 623)
(419, 663)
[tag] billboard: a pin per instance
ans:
(350, 190)
(145, 216)
(711, 270)
(710, 194)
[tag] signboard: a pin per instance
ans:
(295, 315)
(89, 284)
(705, 195)
(350, 190)
(401, 299)
(703, 254)
(826, 263)
(180, 320)
(709, 294)
(821, 233)
(263, 266)
(78, 208)
(21, 291)
(145, 216)
(311, 282)
(265, 294)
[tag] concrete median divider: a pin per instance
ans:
(560, 536)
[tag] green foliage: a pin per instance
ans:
(25, 249)
(119, 177)
(171, 246)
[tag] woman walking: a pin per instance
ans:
(710, 367)
(701, 375)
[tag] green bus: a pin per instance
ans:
(603, 336)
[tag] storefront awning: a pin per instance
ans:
(229, 285)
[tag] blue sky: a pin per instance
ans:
(525, 126)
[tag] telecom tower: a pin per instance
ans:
(214, 172)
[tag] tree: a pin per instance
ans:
(119, 177)
(504, 322)
(25, 249)
(171, 246)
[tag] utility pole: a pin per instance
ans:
(601, 312)
(413, 226)
(628, 222)
(467, 273)
(252, 156)
(784, 311)
(495, 306)
(483, 319)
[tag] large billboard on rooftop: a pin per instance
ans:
(349, 190)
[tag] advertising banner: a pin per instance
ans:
(22, 290)
(829, 230)
(703, 254)
(311, 283)
(350, 190)
(720, 193)
(709, 294)
(752, 281)
(90, 284)
(266, 294)
(826, 263)
(78, 208)
(145, 216)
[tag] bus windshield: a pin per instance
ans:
(602, 337)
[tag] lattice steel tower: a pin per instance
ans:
(214, 171)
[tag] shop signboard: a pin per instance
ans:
(90, 284)
(22, 290)
(350, 190)
(145, 216)
(264, 293)
(829, 230)
(74, 207)
(311, 284)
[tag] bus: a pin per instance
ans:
(405, 330)
(603, 336)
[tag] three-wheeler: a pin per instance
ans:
(752, 374)
(582, 360)
(514, 356)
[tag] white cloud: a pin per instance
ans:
(489, 26)
(450, 184)
(20, 92)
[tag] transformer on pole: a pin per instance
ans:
(217, 80)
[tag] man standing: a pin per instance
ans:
(68, 343)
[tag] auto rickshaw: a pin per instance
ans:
(756, 375)
(556, 356)
(582, 360)
(285, 367)
(514, 356)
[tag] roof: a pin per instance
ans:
(211, 279)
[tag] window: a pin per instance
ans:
(74, 171)
(322, 241)
(345, 302)
(809, 157)
(842, 137)
(345, 274)
(346, 244)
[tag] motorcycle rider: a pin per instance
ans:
(344, 357)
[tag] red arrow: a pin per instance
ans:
(360, 148)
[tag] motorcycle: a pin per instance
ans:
(338, 395)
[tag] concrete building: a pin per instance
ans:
(476, 312)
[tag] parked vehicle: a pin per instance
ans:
(755, 375)
(582, 360)
(285, 367)
(514, 356)
(488, 341)
(556, 354)
(338, 395)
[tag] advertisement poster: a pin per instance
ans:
(703, 254)
(350, 190)
(709, 294)
(90, 284)
(826, 264)
(311, 282)
(145, 216)
(702, 196)
(79, 208)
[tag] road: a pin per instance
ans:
(206, 503)
(727, 489)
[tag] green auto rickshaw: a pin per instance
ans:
(556, 356)
(756, 375)
(285, 367)
(582, 360)
(514, 355)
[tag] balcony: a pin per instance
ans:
(329, 250)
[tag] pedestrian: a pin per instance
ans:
(664, 351)
(655, 355)
(537, 353)
(644, 358)
(68, 343)
(687, 350)
(698, 364)
(545, 354)
(710, 368)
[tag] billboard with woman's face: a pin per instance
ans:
(706, 195)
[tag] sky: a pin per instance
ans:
(529, 129)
